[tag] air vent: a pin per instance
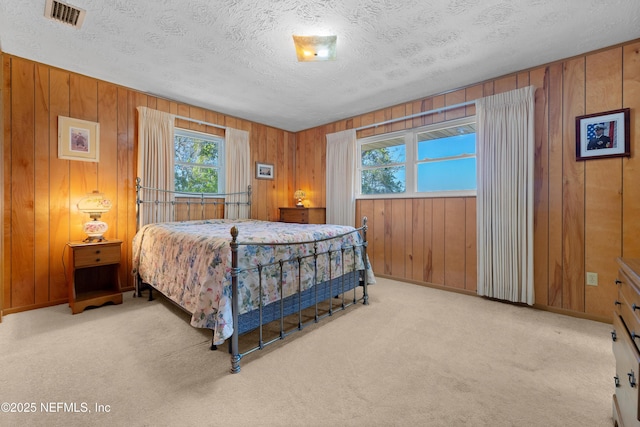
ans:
(64, 13)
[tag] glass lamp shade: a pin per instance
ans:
(298, 196)
(94, 204)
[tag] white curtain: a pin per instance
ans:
(238, 172)
(156, 163)
(341, 177)
(505, 195)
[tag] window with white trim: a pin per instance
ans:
(199, 162)
(435, 160)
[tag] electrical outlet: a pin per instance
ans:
(592, 279)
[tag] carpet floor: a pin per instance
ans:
(414, 356)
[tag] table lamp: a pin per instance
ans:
(94, 204)
(299, 196)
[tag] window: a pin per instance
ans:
(199, 162)
(436, 160)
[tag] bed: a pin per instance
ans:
(234, 276)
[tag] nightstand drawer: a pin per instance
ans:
(303, 215)
(96, 255)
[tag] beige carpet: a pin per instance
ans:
(414, 356)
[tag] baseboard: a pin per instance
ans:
(597, 318)
(6, 311)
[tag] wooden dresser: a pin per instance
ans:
(626, 342)
(303, 215)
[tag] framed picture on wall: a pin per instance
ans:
(603, 135)
(78, 139)
(264, 170)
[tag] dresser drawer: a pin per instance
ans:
(627, 374)
(303, 215)
(95, 255)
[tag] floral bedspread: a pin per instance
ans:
(190, 262)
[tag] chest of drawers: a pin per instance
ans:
(626, 341)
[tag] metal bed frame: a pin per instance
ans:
(310, 299)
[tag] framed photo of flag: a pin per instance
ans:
(603, 135)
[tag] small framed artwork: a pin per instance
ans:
(78, 139)
(603, 135)
(264, 170)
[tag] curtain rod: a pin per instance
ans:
(200, 122)
(424, 113)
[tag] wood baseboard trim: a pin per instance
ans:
(429, 285)
(556, 310)
(34, 306)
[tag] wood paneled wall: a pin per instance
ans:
(586, 213)
(40, 191)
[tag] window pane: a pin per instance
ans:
(383, 180)
(196, 150)
(390, 151)
(196, 179)
(458, 174)
(447, 147)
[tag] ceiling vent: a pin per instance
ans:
(64, 13)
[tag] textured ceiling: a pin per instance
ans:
(237, 56)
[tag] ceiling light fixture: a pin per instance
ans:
(315, 48)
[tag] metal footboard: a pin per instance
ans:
(357, 277)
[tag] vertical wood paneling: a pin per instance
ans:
(427, 274)
(416, 239)
(377, 236)
(438, 102)
(59, 213)
(453, 98)
(6, 182)
(438, 242)
(271, 196)
(397, 242)
(397, 112)
(471, 94)
(41, 190)
(417, 243)
(556, 187)
(539, 78)
(471, 247)
(454, 242)
(505, 84)
(631, 165)
(127, 157)
(388, 236)
(573, 193)
(603, 183)
(22, 184)
(408, 238)
(83, 104)
(3, 108)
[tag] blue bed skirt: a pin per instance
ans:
(297, 302)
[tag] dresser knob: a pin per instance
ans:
(98, 251)
(632, 379)
(616, 302)
(613, 335)
(618, 282)
(617, 381)
(97, 259)
(634, 306)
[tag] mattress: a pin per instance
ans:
(190, 263)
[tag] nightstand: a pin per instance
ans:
(92, 274)
(303, 215)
